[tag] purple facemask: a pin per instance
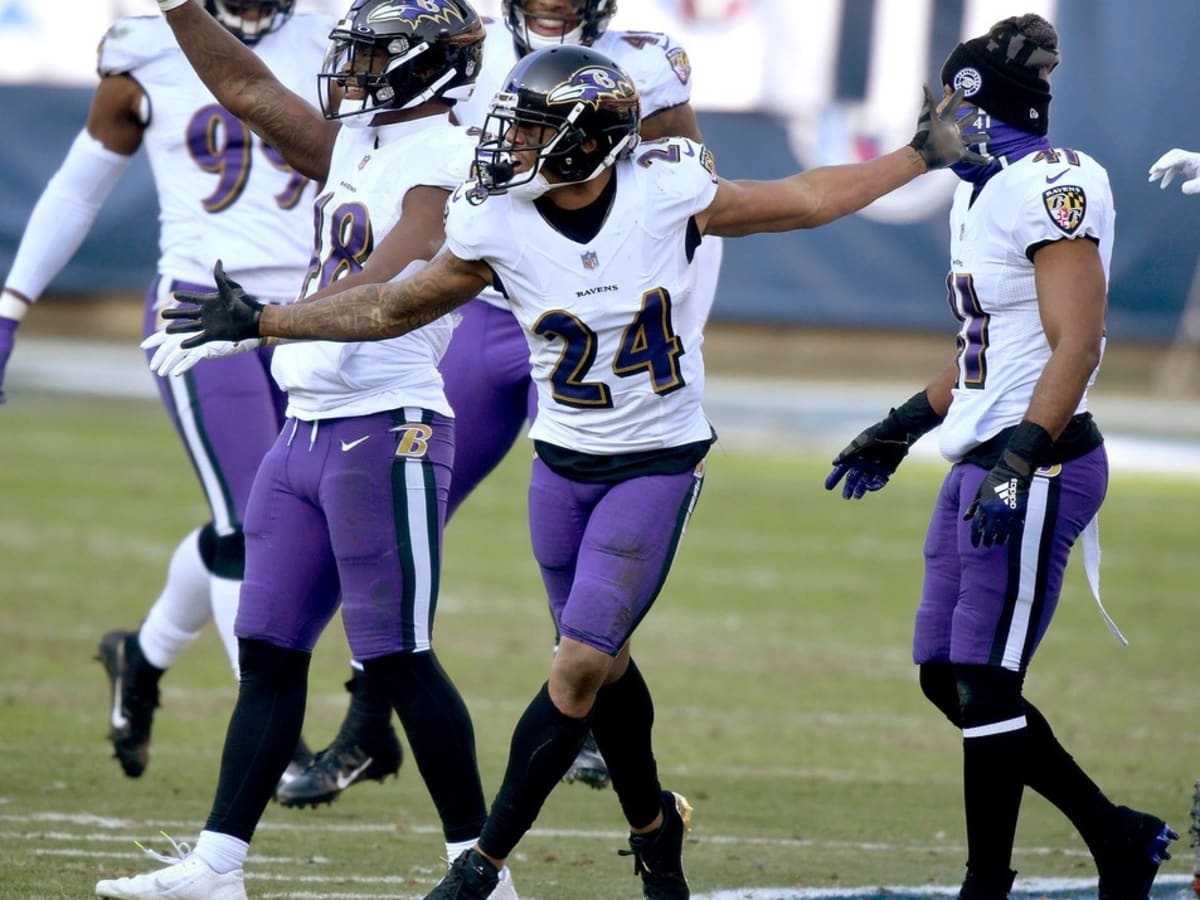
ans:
(1004, 141)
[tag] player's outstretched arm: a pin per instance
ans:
(822, 195)
(371, 312)
(244, 85)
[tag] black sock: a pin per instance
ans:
(1053, 773)
(145, 676)
(370, 706)
(262, 735)
(439, 731)
(993, 764)
(544, 745)
(622, 718)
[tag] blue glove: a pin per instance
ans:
(8, 334)
(870, 459)
(998, 509)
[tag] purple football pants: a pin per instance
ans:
(992, 605)
(227, 413)
(486, 373)
(351, 507)
(605, 549)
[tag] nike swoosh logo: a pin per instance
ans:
(350, 445)
(119, 720)
(344, 781)
(1051, 179)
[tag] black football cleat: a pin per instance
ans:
(131, 701)
(978, 886)
(343, 763)
(471, 877)
(1128, 858)
(589, 766)
(658, 855)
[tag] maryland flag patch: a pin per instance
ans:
(1065, 205)
(680, 64)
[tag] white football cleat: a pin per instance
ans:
(189, 878)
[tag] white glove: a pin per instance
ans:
(168, 5)
(172, 359)
(1178, 162)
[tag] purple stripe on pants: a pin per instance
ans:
(354, 506)
(992, 605)
(605, 549)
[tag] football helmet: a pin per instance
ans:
(232, 14)
(583, 111)
(592, 18)
(397, 54)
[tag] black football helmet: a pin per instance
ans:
(232, 14)
(586, 105)
(399, 54)
(592, 15)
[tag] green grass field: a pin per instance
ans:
(787, 705)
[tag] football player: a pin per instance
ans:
(486, 367)
(1031, 236)
(590, 238)
(350, 499)
(219, 186)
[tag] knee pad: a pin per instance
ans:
(988, 694)
(208, 545)
(229, 560)
(940, 688)
(261, 662)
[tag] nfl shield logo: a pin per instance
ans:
(590, 260)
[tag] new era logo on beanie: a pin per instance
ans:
(1002, 73)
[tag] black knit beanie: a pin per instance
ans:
(1000, 72)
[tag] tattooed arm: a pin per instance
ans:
(373, 312)
(244, 85)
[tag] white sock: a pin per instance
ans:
(221, 852)
(181, 610)
(454, 850)
(223, 594)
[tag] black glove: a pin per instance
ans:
(939, 137)
(871, 458)
(228, 314)
(998, 509)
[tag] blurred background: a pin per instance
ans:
(781, 85)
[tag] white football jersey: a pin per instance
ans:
(1047, 196)
(657, 65)
(614, 340)
(371, 171)
(222, 192)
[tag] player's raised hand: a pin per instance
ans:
(939, 139)
(227, 314)
(1178, 162)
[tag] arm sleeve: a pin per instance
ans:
(64, 214)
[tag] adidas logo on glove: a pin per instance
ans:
(1008, 492)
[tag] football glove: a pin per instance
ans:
(8, 333)
(998, 509)
(1178, 162)
(939, 138)
(170, 357)
(227, 314)
(871, 458)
